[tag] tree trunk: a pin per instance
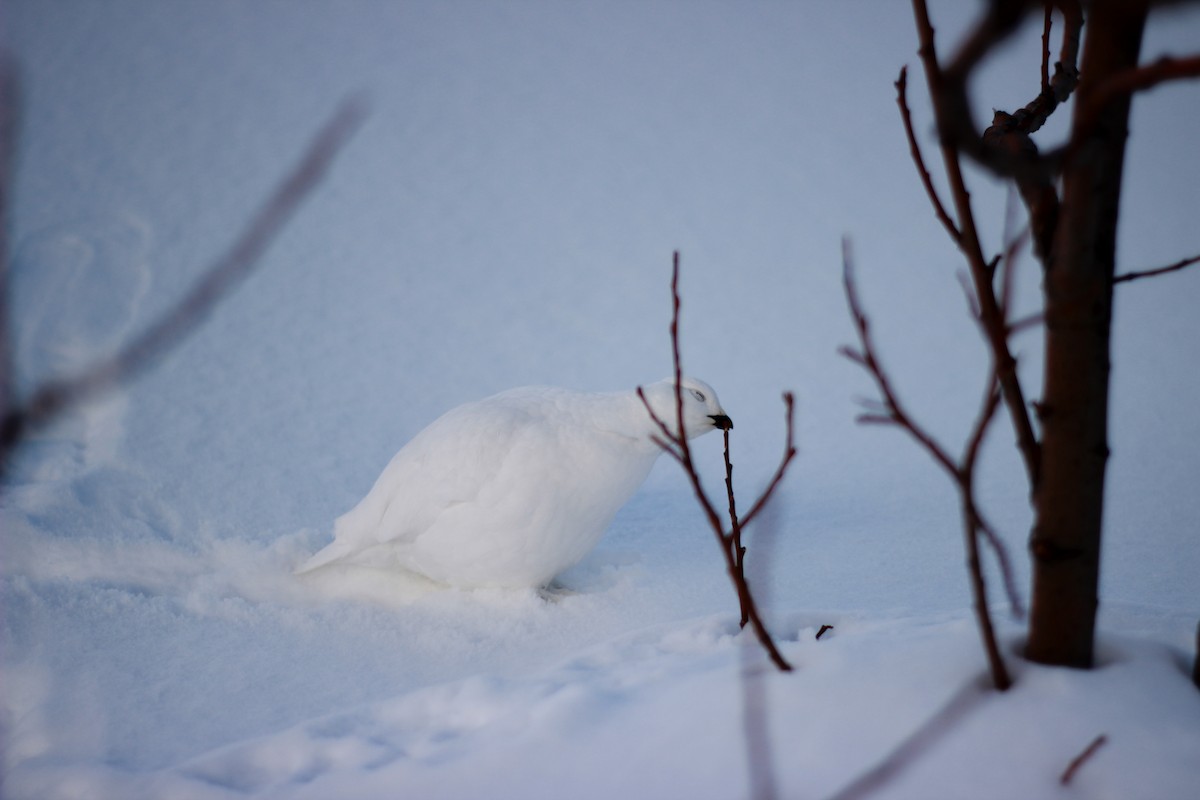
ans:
(1065, 542)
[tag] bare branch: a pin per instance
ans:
(166, 333)
(1150, 273)
(1046, 25)
(734, 539)
(668, 441)
(666, 447)
(850, 354)
(1068, 57)
(919, 160)
(1082, 759)
(1147, 76)
(974, 526)
(896, 412)
(679, 450)
(789, 452)
(1056, 90)
(991, 316)
(677, 445)
(961, 471)
(1007, 574)
(979, 525)
(979, 430)
(1005, 148)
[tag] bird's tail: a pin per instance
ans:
(330, 554)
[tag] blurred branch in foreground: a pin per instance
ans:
(914, 746)
(1081, 759)
(55, 396)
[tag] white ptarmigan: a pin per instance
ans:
(511, 490)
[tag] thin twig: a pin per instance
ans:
(867, 358)
(676, 444)
(1046, 25)
(919, 160)
(678, 448)
(977, 524)
(735, 525)
(1054, 91)
(1150, 273)
(990, 313)
(1082, 759)
(960, 471)
(1006, 147)
(166, 333)
(1007, 574)
(953, 110)
(1147, 76)
(789, 452)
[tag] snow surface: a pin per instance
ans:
(506, 217)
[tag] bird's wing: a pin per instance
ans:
(449, 464)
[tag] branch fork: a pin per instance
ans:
(888, 410)
(730, 539)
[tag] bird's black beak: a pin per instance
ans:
(721, 421)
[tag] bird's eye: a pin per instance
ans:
(698, 395)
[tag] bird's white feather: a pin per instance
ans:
(511, 490)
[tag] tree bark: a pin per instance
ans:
(1065, 541)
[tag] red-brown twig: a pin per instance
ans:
(961, 471)
(1146, 76)
(675, 444)
(1047, 23)
(789, 452)
(991, 315)
(955, 125)
(914, 148)
(167, 332)
(735, 526)
(1082, 759)
(1150, 273)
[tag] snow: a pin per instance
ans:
(506, 217)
